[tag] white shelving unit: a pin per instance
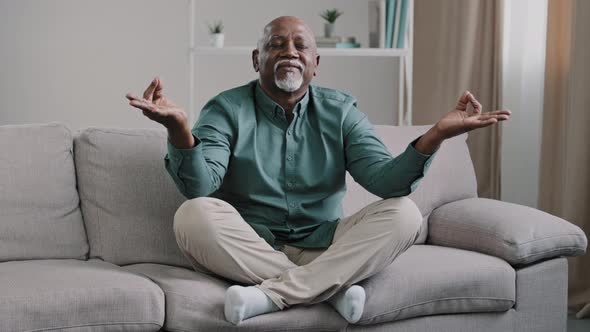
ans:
(246, 50)
(405, 61)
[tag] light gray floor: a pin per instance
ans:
(577, 325)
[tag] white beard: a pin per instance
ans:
(292, 82)
(289, 83)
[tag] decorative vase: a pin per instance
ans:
(328, 29)
(217, 40)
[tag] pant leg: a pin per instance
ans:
(364, 244)
(301, 256)
(217, 240)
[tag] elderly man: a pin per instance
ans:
(264, 171)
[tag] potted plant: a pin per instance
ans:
(330, 15)
(216, 34)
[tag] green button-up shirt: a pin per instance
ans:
(287, 180)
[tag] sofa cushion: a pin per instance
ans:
(450, 177)
(195, 302)
(424, 280)
(431, 280)
(65, 294)
(518, 234)
(128, 199)
(39, 213)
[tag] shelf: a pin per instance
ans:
(247, 50)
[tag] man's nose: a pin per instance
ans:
(290, 51)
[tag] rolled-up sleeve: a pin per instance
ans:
(372, 165)
(199, 171)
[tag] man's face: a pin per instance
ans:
(288, 57)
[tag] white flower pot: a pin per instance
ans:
(328, 29)
(217, 39)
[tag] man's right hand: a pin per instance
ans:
(157, 107)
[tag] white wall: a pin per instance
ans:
(525, 25)
(74, 60)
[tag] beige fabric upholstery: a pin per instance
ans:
(39, 214)
(74, 295)
(127, 198)
(517, 234)
(424, 280)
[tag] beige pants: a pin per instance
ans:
(216, 240)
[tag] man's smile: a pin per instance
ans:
(289, 66)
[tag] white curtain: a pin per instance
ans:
(457, 47)
(564, 187)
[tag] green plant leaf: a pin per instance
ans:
(330, 15)
(216, 27)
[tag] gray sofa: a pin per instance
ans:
(86, 244)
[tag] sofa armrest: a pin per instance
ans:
(515, 233)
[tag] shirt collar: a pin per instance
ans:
(268, 105)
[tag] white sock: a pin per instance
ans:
(245, 302)
(350, 303)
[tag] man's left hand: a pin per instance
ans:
(460, 121)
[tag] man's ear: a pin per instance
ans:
(317, 63)
(255, 63)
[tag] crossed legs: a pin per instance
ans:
(216, 240)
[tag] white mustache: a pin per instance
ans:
(296, 63)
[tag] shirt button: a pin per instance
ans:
(290, 184)
(289, 157)
(288, 132)
(292, 204)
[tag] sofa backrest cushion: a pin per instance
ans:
(450, 177)
(39, 206)
(128, 199)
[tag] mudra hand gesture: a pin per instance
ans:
(157, 107)
(460, 120)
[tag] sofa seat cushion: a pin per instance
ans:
(77, 295)
(39, 207)
(195, 302)
(432, 280)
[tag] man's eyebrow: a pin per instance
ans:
(298, 37)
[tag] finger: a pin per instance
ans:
(159, 88)
(131, 96)
(504, 112)
(150, 108)
(484, 123)
(149, 92)
(477, 108)
(463, 100)
(499, 117)
(144, 105)
(490, 121)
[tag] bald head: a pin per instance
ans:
(283, 21)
